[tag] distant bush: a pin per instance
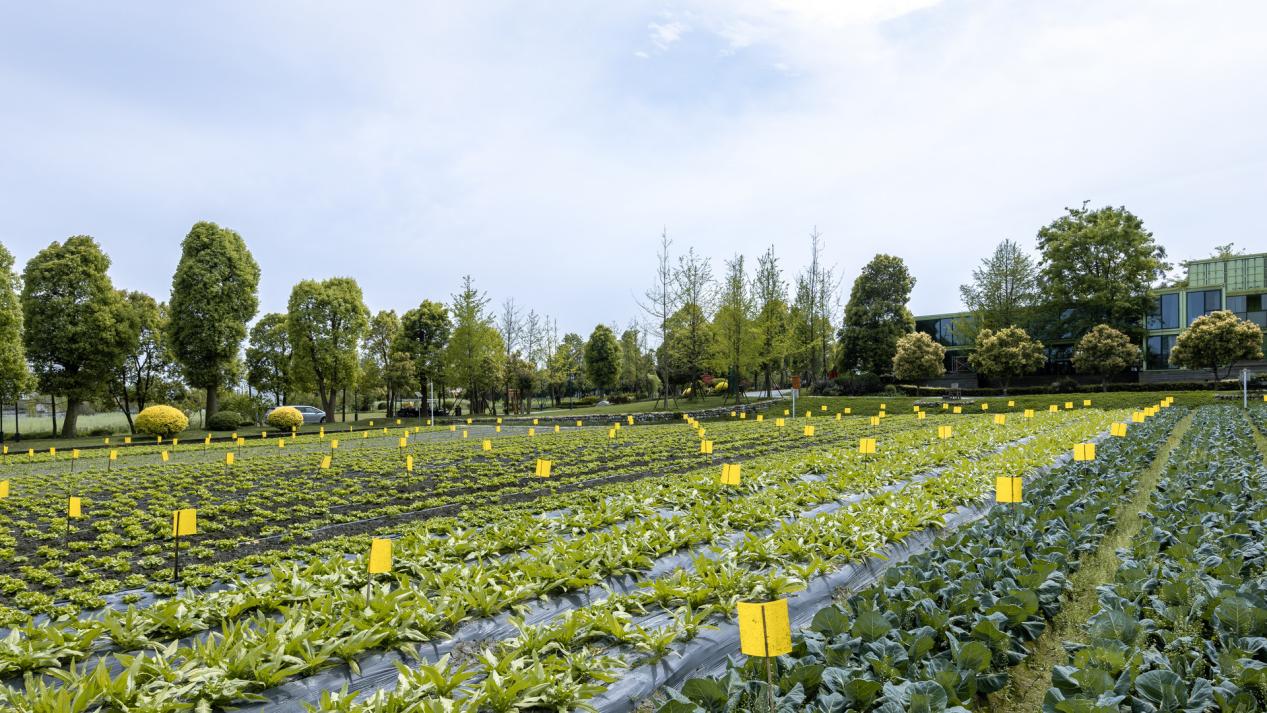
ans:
(859, 384)
(224, 421)
(285, 418)
(100, 431)
(720, 386)
(826, 387)
(161, 421)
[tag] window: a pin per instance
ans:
(1165, 312)
(1251, 307)
(944, 331)
(1202, 302)
(1157, 351)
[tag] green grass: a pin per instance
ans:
(870, 405)
(681, 404)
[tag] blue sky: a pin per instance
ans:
(541, 147)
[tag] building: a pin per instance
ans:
(1237, 283)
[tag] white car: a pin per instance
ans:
(311, 414)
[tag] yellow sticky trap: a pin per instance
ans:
(6, 449)
(761, 416)
(543, 468)
(706, 447)
(497, 429)
(958, 409)
(882, 407)
(228, 458)
(1053, 408)
(160, 439)
(579, 424)
(499, 419)
(1137, 417)
(839, 415)
(778, 422)
(921, 415)
(985, 406)
(184, 522)
(787, 412)
(764, 629)
(166, 456)
(325, 462)
(465, 433)
(487, 445)
(915, 409)
(4, 489)
(281, 442)
(334, 444)
(734, 414)
(404, 442)
(611, 433)
(809, 414)
(468, 422)
(1084, 451)
(114, 455)
(74, 453)
(556, 428)
(52, 452)
(384, 430)
(882, 414)
(945, 406)
(1010, 404)
(128, 439)
(380, 556)
(73, 508)
(1000, 419)
(809, 431)
(206, 441)
(321, 431)
(743, 415)
(729, 474)
(875, 421)
(944, 432)
(1118, 429)
(535, 422)
(1068, 405)
(823, 407)
(532, 432)
(397, 422)
(1007, 490)
(1029, 413)
(452, 428)
(263, 435)
(409, 464)
(1086, 402)
(866, 446)
(175, 442)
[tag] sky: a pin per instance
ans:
(543, 147)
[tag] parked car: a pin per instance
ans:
(311, 414)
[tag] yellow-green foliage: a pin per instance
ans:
(720, 386)
(161, 421)
(285, 418)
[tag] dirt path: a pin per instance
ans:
(1030, 680)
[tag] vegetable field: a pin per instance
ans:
(609, 578)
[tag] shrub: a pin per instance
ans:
(859, 384)
(826, 387)
(100, 431)
(285, 418)
(161, 421)
(720, 386)
(224, 421)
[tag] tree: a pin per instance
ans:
(1217, 341)
(660, 303)
(918, 357)
(1003, 288)
(511, 328)
(602, 358)
(145, 368)
(14, 376)
(213, 297)
(690, 339)
(325, 322)
(380, 348)
(424, 332)
(1104, 351)
(733, 325)
(77, 328)
(632, 369)
(474, 355)
(876, 315)
(268, 356)
(771, 324)
(1097, 267)
(1006, 353)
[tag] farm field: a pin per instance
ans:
(505, 590)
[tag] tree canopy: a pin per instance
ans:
(602, 358)
(1097, 267)
(1003, 288)
(918, 357)
(876, 315)
(14, 376)
(268, 357)
(213, 297)
(326, 322)
(1105, 351)
(1006, 354)
(1217, 341)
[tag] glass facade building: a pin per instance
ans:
(1237, 283)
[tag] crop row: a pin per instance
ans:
(327, 601)
(1183, 625)
(943, 628)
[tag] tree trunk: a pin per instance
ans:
(213, 402)
(344, 403)
(71, 418)
(52, 401)
(327, 402)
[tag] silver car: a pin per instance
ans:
(311, 414)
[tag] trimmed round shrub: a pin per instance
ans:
(161, 421)
(224, 421)
(285, 418)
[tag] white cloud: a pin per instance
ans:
(664, 34)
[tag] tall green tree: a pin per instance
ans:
(77, 327)
(1216, 341)
(771, 323)
(1006, 354)
(1003, 289)
(144, 370)
(424, 332)
(326, 322)
(213, 297)
(1096, 267)
(268, 356)
(381, 346)
(918, 357)
(1104, 351)
(633, 364)
(474, 355)
(14, 375)
(602, 358)
(733, 325)
(689, 339)
(567, 365)
(876, 315)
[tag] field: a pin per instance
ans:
(613, 583)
